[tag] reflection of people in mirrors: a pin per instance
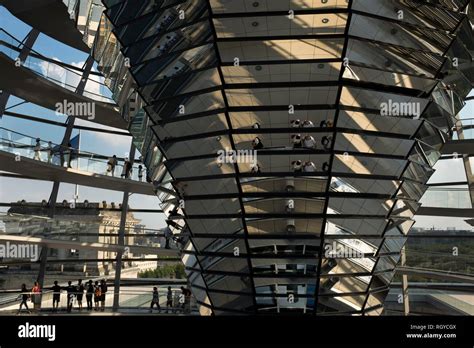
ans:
(308, 124)
(309, 142)
(295, 123)
(255, 169)
(327, 123)
(309, 167)
(326, 142)
(257, 144)
(296, 140)
(297, 166)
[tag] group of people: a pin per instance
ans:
(183, 301)
(66, 153)
(26, 294)
(75, 293)
(95, 292)
(298, 141)
(297, 123)
(126, 169)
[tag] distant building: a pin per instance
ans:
(85, 222)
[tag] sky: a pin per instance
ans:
(107, 144)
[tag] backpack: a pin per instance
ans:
(98, 292)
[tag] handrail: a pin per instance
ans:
(64, 66)
(61, 150)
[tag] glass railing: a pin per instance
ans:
(26, 146)
(131, 300)
(467, 126)
(31, 220)
(57, 73)
(430, 301)
(443, 197)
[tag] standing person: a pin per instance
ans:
(111, 163)
(169, 299)
(72, 154)
(97, 295)
(56, 295)
(168, 235)
(36, 296)
(71, 291)
(103, 290)
(50, 151)
(89, 293)
(37, 150)
(155, 299)
(25, 295)
(80, 293)
(124, 169)
(140, 172)
(187, 299)
(128, 169)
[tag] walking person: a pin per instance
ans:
(80, 293)
(89, 294)
(37, 150)
(155, 299)
(97, 295)
(111, 163)
(169, 299)
(25, 295)
(103, 290)
(71, 292)
(56, 295)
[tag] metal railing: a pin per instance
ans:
(26, 146)
(58, 73)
